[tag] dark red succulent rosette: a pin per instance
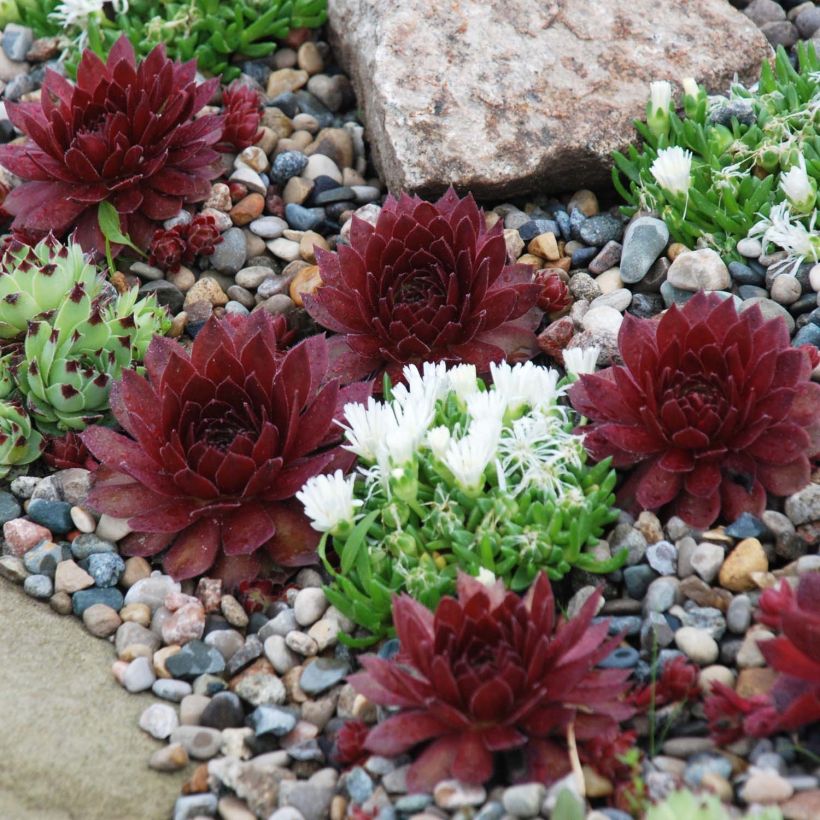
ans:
(241, 113)
(67, 451)
(795, 654)
(428, 283)
(554, 296)
(167, 249)
(125, 133)
(489, 673)
(712, 409)
(217, 442)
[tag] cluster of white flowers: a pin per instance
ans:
(76, 13)
(516, 432)
(781, 230)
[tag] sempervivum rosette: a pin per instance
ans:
(217, 444)
(428, 283)
(712, 409)
(491, 673)
(125, 134)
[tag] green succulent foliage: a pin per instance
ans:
(686, 805)
(19, 443)
(34, 280)
(71, 358)
(736, 167)
(419, 529)
(212, 31)
(33, 13)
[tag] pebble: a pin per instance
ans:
(227, 641)
(170, 689)
(644, 241)
(599, 229)
(159, 720)
(739, 614)
(271, 720)
(697, 644)
(230, 254)
(170, 758)
(747, 558)
(804, 506)
(707, 560)
(112, 529)
(89, 544)
(21, 535)
(281, 657)
(9, 507)
(101, 621)
(38, 586)
(186, 624)
(150, 591)
(602, 319)
(765, 786)
(662, 556)
(13, 569)
(85, 598)
(451, 794)
(224, 711)
(749, 655)
(194, 659)
(194, 806)
(54, 515)
(43, 559)
(17, 41)
(309, 605)
(105, 568)
(260, 689)
(139, 675)
(136, 569)
(267, 227)
(785, 289)
(322, 674)
(661, 594)
(702, 269)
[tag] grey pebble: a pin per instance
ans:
(38, 586)
(644, 241)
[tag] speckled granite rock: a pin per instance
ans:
(535, 93)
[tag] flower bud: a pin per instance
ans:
(657, 109)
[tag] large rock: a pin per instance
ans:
(507, 96)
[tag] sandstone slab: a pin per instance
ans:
(508, 96)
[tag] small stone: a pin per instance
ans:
(230, 254)
(159, 720)
(194, 659)
(186, 624)
(545, 246)
(599, 229)
(804, 506)
(749, 654)
(13, 569)
(136, 568)
(195, 806)
(662, 594)
(224, 711)
(698, 645)
(54, 515)
(739, 614)
(602, 319)
(451, 794)
(139, 675)
(765, 786)
(644, 240)
(702, 269)
(786, 289)
(191, 708)
(309, 605)
(319, 165)
(323, 673)
(267, 227)
(43, 559)
(85, 546)
(22, 535)
(745, 559)
(233, 612)
(259, 688)
(662, 557)
(17, 41)
(227, 641)
(83, 520)
(271, 720)
(302, 643)
(101, 621)
(286, 79)
(38, 586)
(86, 598)
(151, 591)
(112, 529)
(105, 568)
(170, 758)
(280, 656)
(169, 689)
(707, 560)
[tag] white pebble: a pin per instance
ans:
(814, 278)
(285, 249)
(697, 644)
(82, 519)
(309, 606)
(139, 675)
(112, 529)
(602, 318)
(750, 247)
(786, 290)
(159, 720)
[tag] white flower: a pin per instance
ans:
(660, 95)
(793, 237)
(798, 188)
(438, 439)
(72, 13)
(673, 170)
(468, 457)
(690, 87)
(329, 502)
(367, 428)
(431, 383)
(463, 380)
(486, 577)
(525, 384)
(578, 360)
(487, 405)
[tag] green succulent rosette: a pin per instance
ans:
(71, 357)
(35, 280)
(19, 442)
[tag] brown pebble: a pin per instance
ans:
(308, 280)
(178, 325)
(585, 201)
(338, 807)
(101, 620)
(308, 243)
(546, 246)
(198, 782)
(136, 568)
(247, 209)
(675, 250)
(746, 558)
(309, 59)
(297, 190)
(284, 80)
(136, 613)
(60, 602)
(757, 680)
(170, 758)
(205, 290)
